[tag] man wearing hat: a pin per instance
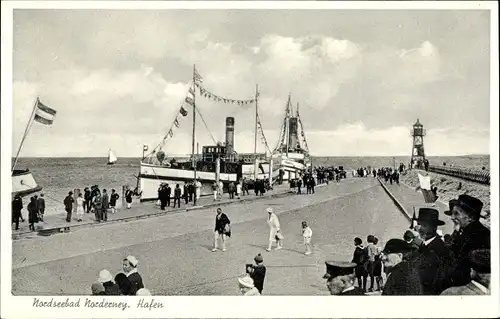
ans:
(471, 234)
(435, 261)
(247, 287)
(480, 261)
(68, 205)
(129, 266)
(340, 278)
(402, 277)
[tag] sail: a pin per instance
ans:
(111, 157)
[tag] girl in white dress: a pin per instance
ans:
(79, 207)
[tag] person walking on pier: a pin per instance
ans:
(112, 200)
(177, 196)
(185, 193)
(222, 229)
(299, 185)
(258, 272)
(17, 206)
(79, 207)
(129, 266)
(128, 197)
(360, 258)
(307, 234)
(41, 206)
(191, 190)
(214, 190)
(238, 189)
(197, 188)
(32, 213)
(68, 205)
(231, 190)
(274, 230)
(97, 203)
(105, 205)
(372, 252)
(88, 200)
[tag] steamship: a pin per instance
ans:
(219, 161)
(291, 154)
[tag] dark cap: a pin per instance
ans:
(338, 268)
(470, 204)
(395, 246)
(70, 193)
(258, 258)
(480, 260)
(408, 235)
(429, 215)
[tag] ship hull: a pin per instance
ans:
(152, 176)
(23, 183)
(291, 166)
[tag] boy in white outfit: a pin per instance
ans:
(307, 234)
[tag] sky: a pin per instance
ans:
(361, 78)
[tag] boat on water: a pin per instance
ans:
(112, 159)
(291, 154)
(217, 162)
(23, 182)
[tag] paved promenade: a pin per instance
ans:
(175, 255)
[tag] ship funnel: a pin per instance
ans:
(229, 137)
(293, 135)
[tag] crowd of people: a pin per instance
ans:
(36, 210)
(128, 282)
(422, 261)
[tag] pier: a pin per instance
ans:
(174, 249)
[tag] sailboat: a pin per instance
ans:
(23, 182)
(111, 157)
(218, 162)
(292, 155)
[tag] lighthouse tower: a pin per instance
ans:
(417, 149)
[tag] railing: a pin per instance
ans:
(472, 174)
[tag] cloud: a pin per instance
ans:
(123, 74)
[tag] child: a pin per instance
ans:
(307, 234)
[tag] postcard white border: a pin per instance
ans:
(267, 307)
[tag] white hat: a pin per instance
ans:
(439, 232)
(143, 292)
(105, 276)
(246, 282)
(269, 209)
(132, 260)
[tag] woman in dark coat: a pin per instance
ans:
(33, 213)
(124, 284)
(222, 224)
(130, 268)
(360, 258)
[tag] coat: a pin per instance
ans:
(469, 289)
(68, 203)
(360, 258)
(473, 236)
(33, 212)
(136, 282)
(41, 204)
(220, 223)
(111, 289)
(105, 201)
(404, 280)
(435, 264)
(258, 275)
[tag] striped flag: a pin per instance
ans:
(44, 114)
(197, 77)
(425, 187)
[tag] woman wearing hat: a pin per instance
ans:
(106, 279)
(274, 230)
(247, 287)
(130, 268)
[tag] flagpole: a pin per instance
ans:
(194, 126)
(30, 122)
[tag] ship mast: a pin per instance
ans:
(256, 128)
(194, 123)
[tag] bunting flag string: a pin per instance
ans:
(262, 136)
(214, 97)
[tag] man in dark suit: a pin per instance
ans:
(340, 278)
(435, 261)
(471, 234)
(402, 277)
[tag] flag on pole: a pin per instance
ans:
(197, 77)
(176, 123)
(189, 100)
(145, 148)
(425, 187)
(170, 133)
(191, 90)
(44, 114)
(183, 111)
